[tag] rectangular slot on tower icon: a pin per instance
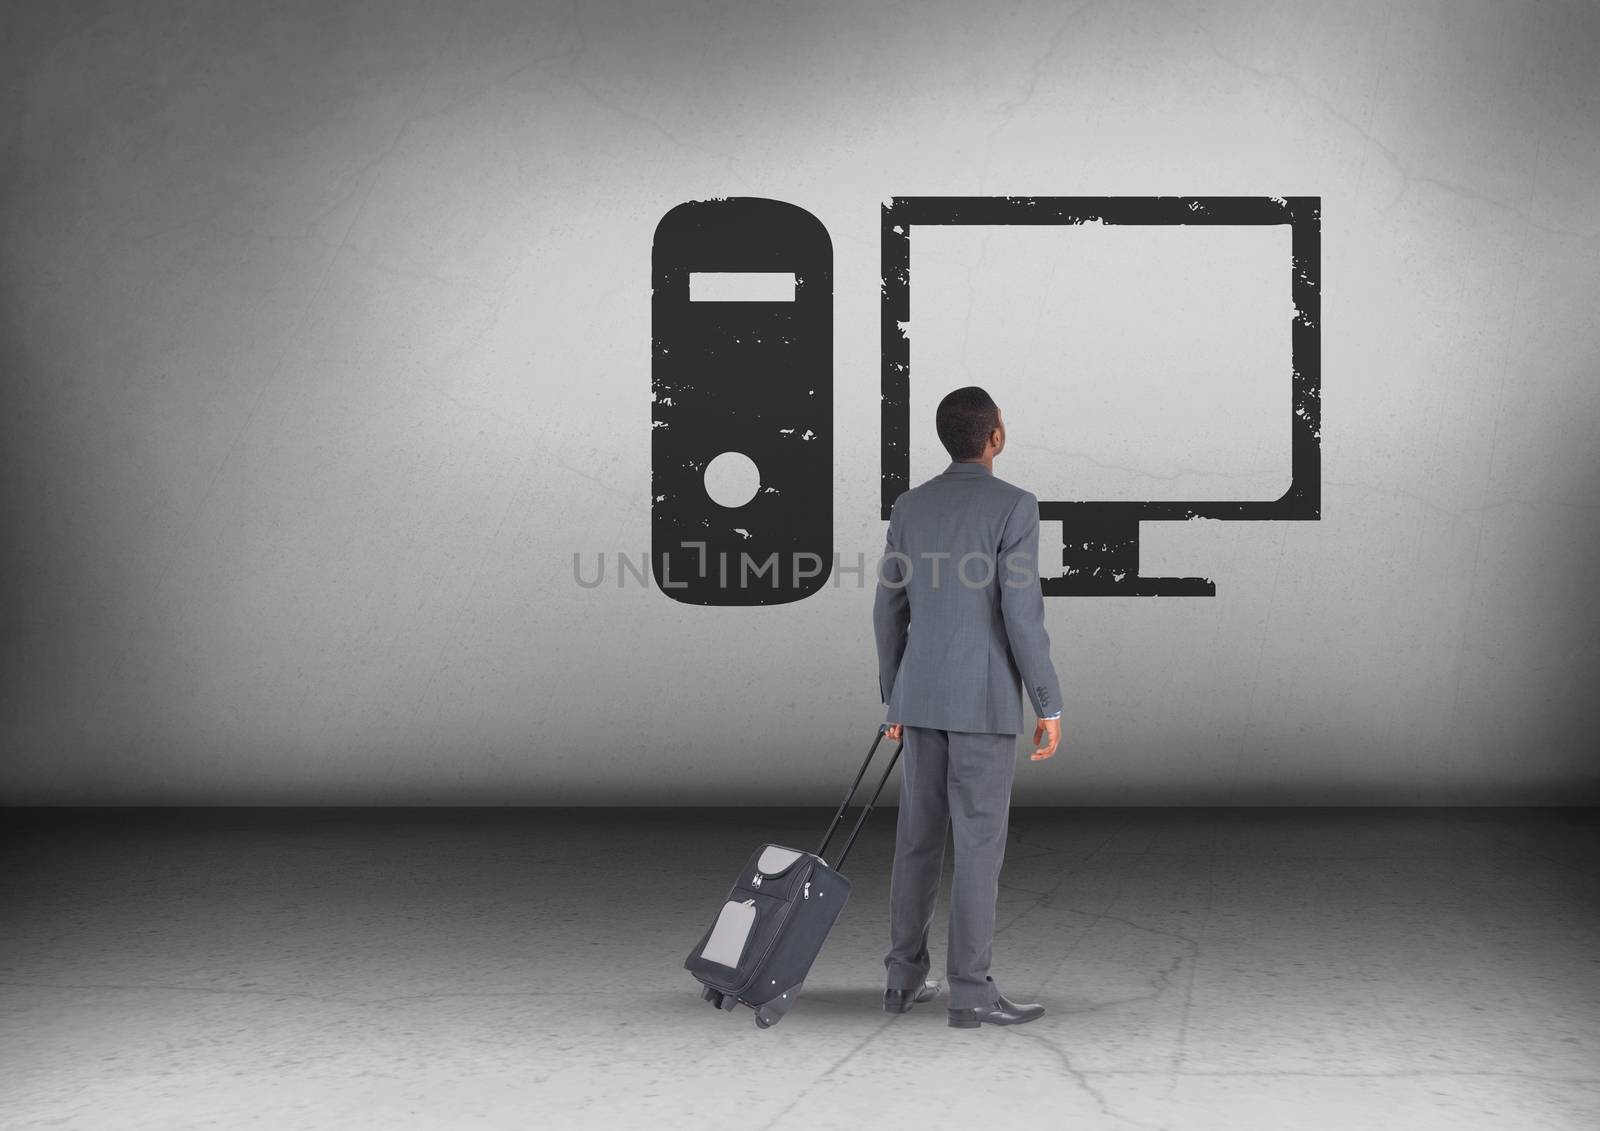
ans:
(741, 286)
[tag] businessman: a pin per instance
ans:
(959, 621)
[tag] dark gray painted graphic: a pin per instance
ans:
(1100, 553)
(746, 373)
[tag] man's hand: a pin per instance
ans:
(1050, 731)
(893, 732)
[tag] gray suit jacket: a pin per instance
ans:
(959, 615)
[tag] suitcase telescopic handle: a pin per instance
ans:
(838, 818)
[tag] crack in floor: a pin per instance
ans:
(1161, 977)
(827, 1072)
(1082, 1079)
(1180, 1051)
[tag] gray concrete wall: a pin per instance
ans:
(326, 347)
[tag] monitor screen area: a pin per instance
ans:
(1132, 363)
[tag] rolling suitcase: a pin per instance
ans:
(760, 947)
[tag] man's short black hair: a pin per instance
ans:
(964, 420)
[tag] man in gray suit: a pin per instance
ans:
(959, 620)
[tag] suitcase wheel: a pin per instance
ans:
(772, 1012)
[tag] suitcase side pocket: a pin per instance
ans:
(729, 936)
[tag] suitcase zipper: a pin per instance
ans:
(758, 875)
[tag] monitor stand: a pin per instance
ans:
(1100, 556)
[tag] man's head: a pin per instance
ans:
(969, 425)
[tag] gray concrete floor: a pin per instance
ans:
(502, 968)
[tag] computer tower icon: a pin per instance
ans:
(1100, 539)
(742, 367)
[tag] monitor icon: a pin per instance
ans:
(1100, 537)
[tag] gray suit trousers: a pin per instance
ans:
(961, 780)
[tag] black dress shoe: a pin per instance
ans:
(1002, 1012)
(900, 1001)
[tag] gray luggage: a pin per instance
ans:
(772, 924)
